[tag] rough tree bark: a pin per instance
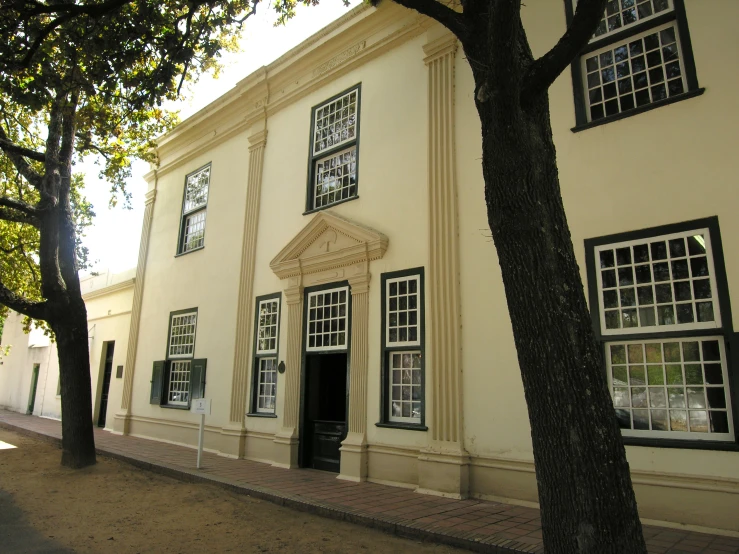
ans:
(585, 490)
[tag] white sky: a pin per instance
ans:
(113, 239)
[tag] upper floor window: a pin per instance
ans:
(334, 153)
(639, 57)
(660, 303)
(194, 205)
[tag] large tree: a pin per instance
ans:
(80, 78)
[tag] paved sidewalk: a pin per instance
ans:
(476, 525)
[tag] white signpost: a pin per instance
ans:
(200, 406)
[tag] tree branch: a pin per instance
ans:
(18, 205)
(436, 10)
(546, 69)
(35, 310)
(8, 146)
(20, 163)
(10, 215)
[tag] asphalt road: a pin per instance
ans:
(16, 534)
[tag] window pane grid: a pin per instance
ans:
(644, 70)
(335, 122)
(336, 178)
(621, 14)
(268, 325)
(405, 386)
(179, 383)
(676, 388)
(327, 319)
(196, 190)
(182, 335)
(402, 326)
(267, 385)
(194, 231)
(657, 284)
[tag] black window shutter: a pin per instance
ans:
(197, 379)
(157, 378)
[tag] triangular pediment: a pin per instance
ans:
(328, 241)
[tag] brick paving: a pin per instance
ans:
(476, 525)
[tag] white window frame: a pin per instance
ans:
(181, 356)
(393, 386)
(398, 280)
(276, 326)
(609, 33)
(323, 348)
(354, 90)
(170, 382)
(683, 327)
(189, 211)
(261, 383)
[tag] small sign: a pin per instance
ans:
(119, 372)
(200, 406)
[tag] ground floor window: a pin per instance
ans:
(266, 343)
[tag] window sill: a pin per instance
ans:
(683, 444)
(173, 407)
(404, 426)
(636, 111)
(189, 251)
(314, 210)
(256, 414)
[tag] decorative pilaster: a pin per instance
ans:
(122, 419)
(245, 307)
(286, 440)
(354, 446)
(444, 466)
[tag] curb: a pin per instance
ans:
(492, 545)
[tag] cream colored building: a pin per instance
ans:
(342, 303)
(29, 374)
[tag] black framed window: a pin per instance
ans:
(403, 344)
(640, 57)
(660, 306)
(334, 150)
(194, 208)
(266, 344)
(180, 377)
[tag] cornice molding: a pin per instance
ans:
(258, 139)
(109, 289)
(440, 47)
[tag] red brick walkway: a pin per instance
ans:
(476, 525)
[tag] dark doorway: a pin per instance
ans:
(107, 374)
(325, 410)
(34, 386)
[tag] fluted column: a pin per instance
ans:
(354, 446)
(245, 307)
(121, 422)
(286, 440)
(444, 466)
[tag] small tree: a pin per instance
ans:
(82, 78)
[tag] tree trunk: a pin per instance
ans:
(585, 491)
(78, 443)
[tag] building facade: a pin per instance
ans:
(316, 259)
(29, 374)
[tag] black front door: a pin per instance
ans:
(325, 410)
(107, 373)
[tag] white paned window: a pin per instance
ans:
(335, 122)
(671, 388)
(178, 392)
(402, 304)
(266, 385)
(182, 335)
(658, 284)
(405, 386)
(645, 69)
(336, 178)
(327, 319)
(621, 14)
(334, 151)
(194, 207)
(268, 324)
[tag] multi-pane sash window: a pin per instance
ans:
(334, 150)
(182, 335)
(327, 319)
(265, 359)
(639, 56)
(178, 392)
(403, 347)
(194, 205)
(659, 318)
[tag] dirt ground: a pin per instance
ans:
(114, 507)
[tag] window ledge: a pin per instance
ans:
(636, 111)
(314, 210)
(404, 426)
(173, 407)
(256, 414)
(189, 251)
(683, 444)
